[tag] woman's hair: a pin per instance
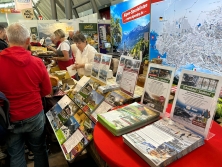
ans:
(17, 33)
(78, 37)
(60, 33)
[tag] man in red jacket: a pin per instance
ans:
(24, 80)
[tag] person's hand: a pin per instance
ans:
(54, 58)
(77, 66)
(51, 48)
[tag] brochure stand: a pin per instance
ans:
(209, 136)
(157, 88)
(166, 115)
(195, 101)
(101, 66)
(129, 74)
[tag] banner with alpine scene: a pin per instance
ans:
(130, 25)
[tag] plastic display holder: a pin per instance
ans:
(166, 115)
(210, 135)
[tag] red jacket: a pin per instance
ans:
(24, 80)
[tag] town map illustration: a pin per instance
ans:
(187, 34)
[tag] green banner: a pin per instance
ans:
(88, 28)
(199, 91)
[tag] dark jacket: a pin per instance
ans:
(3, 44)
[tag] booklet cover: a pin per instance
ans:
(103, 108)
(163, 142)
(121, 67)
(157, 87)
(88, 99)
(127, 118)
(101, 66)
(118, 98)
(82, 82)
(195, 100)
(72, 128)
(129, 76)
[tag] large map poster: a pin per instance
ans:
(187, 34)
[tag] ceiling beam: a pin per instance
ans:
(75, 11)
(83, 3)
(60, 6)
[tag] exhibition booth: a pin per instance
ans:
(152, 92)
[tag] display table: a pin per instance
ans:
(116, 153)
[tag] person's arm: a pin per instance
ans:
(91, 53)
(52, 48)
(64, 58)
(65, 51)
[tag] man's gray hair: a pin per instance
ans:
(17, 33)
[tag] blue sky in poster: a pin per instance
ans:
(117, 10)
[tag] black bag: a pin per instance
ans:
(4, 117)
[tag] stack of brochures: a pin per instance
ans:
(163, 142)
(128, 118)
(169, 139)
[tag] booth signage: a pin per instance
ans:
(23, 4)
(136, 12)
(8, 10)
(28, 14)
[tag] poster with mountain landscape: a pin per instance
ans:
(47, 29)
(130, 22)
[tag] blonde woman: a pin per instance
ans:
(64, 56)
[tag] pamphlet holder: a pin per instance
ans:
(209, 136)
(166, 115)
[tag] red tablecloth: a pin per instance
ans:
(116, 153)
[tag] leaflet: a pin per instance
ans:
(195, 100)
(157, 87)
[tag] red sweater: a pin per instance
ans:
(24, 80)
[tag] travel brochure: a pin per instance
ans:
(127, 118)
(195, 100)
(157, 87)
(129, 76)
(101, 66)
(163, 142)
(88, 99)
(168, 139)
(121, 67)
